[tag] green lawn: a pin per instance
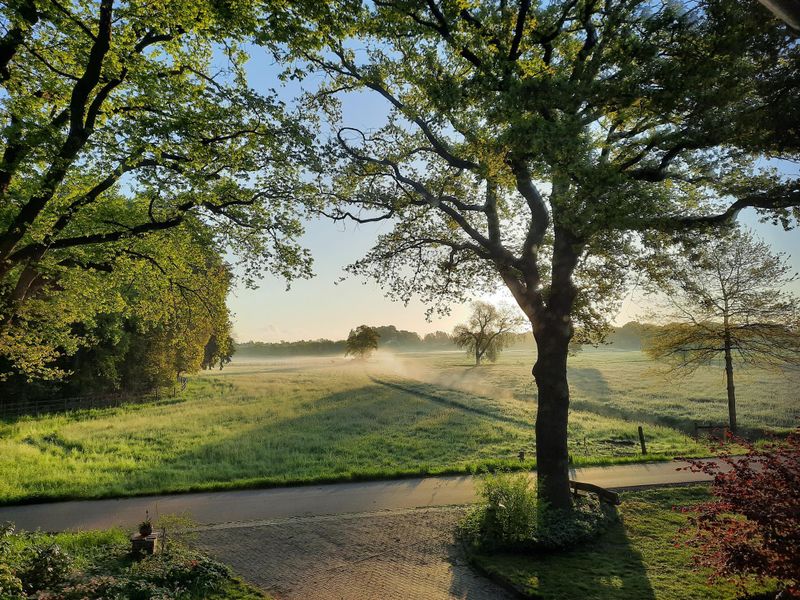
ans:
(636, 558)
(303, 420)
(629, 385)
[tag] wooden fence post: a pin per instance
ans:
(641, 440)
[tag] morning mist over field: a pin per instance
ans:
(399, 300)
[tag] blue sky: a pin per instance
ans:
(321, 308)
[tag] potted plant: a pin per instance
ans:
(146, 526)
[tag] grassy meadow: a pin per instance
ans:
(302, 420)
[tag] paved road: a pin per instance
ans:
(282, 503)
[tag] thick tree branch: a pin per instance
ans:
(780, 197)
(519, 29)
(15, 36)
(540, 217)
(439, 145)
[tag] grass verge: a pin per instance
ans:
(276, 427)
(637, 557)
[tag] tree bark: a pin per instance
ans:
(552, 455)
(553, 330)
(729, 380)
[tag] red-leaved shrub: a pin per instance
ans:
(750, 529)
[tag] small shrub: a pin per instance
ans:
(47, 567)
(751, 527)
(10, 584)
(510, 518)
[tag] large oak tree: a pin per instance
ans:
(148, 101)
(541, 144)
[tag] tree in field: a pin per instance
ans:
(537, 144)
(122, 119)
(361, 342)
(727, 299)
(488, 332)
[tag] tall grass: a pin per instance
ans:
(294, 421)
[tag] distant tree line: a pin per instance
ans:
(631, 336)
(391, 338)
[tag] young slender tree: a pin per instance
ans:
(532, 144)
(727, 299)
(362, 342)
(488, 331)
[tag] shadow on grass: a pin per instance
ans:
(608, 568)
(428, 392)
(594, 395)
(365, 433)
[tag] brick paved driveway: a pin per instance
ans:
(406, 555)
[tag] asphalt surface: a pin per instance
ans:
(215, 508)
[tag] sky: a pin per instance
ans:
(323, 307)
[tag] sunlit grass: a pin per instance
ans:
(629, 385)
(639, 557)
(326, 419)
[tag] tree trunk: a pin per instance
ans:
(477, 356)
(553, 331)
(731, 387)
(552, 455)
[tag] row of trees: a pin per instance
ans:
(129, 162)
(132, 327)
(551, 147)
(391, 338)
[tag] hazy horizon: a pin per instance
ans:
(322, 308)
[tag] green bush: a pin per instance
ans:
(10, 584)
(100, 566)
(510, 518)
(48, 566)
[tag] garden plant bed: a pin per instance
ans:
(99, 564)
